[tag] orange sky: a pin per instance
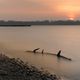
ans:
(39, 9)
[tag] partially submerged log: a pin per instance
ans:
(47, 53)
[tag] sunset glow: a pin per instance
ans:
(71, 9)
(39, 9)
(71, 18)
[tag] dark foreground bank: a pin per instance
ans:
(16, 69)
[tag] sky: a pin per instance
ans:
(39, 9)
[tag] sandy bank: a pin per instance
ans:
(16, 69)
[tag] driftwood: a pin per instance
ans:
(47, 53)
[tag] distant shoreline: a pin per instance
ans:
(45, 22)
(14, 25)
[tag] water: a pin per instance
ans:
(14, 41)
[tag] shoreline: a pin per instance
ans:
(16, 69)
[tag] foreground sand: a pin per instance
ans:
(16, 69)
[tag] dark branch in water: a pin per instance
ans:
(58, 55)
(35, 50)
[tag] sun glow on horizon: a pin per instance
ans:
(71, 9)
(71, 18)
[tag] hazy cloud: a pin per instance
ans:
(16, 9)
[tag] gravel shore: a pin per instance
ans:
(16, 69)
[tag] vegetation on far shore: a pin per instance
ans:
(16, 69)
(43, 22)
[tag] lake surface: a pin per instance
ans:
(14, 41)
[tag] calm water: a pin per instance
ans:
(15, 41)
